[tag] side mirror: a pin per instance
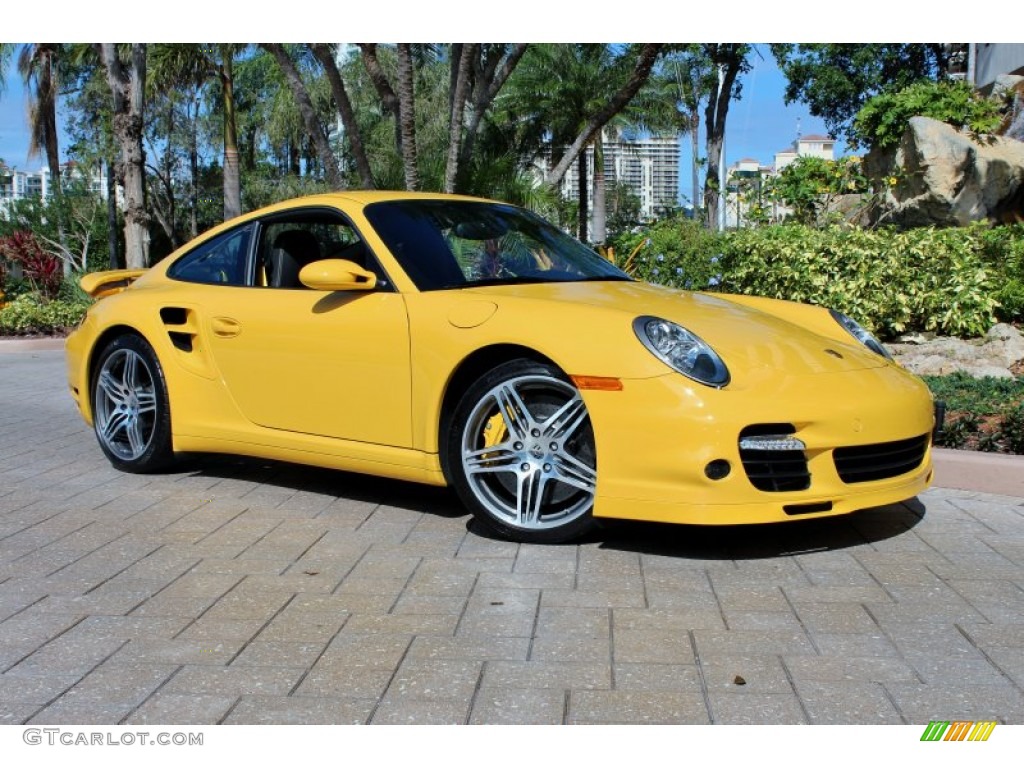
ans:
(337, 275)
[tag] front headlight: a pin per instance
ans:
(860, 333)
(681, 350)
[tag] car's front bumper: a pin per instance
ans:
(656, 438)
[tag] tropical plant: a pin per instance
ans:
(884, 118)
(41, 268)
(809, 186)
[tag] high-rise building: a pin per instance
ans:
(649, 167)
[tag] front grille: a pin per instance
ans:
(782, 470)
(864, 463)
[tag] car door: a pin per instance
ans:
(334, 364)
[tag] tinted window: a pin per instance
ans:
(222, 260)
(446, 244)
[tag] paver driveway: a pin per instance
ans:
(243, 591)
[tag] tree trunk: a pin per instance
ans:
(305, 104)
(193, 170)
(461, 75)
(581, 167)
(695, 163)
(348, 115)
(389, 101)
(112, 244)
(600, 230)
(728, 62)
(407, 116)
(485, 88)
(128, 90)
(232, 175)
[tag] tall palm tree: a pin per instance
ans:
(37, 63)
(565, 95)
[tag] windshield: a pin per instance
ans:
(458, 244)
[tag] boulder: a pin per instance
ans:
(947, 177)
(999, 353)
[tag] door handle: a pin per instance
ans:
(226, 327)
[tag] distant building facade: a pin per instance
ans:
(747, 176)
(18, 185)
(649, 167)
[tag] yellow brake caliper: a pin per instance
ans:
(495, 431)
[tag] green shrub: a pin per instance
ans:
(986, 414)
(883, 119)
(1002, 248)
(29, 314)
(920, 279)
(677, 252)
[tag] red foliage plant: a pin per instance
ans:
(40, 268)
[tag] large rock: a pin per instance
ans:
(997, 354)
(947, 178)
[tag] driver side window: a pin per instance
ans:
(287, 245)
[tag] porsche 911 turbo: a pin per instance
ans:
(468, 343)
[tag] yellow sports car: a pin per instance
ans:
(455, 341)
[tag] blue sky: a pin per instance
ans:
(759, 124)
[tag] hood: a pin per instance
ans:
(748, 338)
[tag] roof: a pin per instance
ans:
(816, 137)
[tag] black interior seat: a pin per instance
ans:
(292, 250)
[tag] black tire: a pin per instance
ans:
(131, 412)
(520, 453)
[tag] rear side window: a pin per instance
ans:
(222, 260)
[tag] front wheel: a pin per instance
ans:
(521, 453)
(131, 414)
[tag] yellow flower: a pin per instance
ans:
(892, 181)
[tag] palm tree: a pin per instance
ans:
(566, 94)
(37, 63)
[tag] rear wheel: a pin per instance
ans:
(521, 453)
(131, 415)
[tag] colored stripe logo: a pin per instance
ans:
(958, 730)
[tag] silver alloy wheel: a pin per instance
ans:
(125, 408)
(528, 453)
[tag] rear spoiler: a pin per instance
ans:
(100, 284)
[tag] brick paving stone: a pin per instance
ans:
(837, 669)
(652, 646)
(12, 713)
(576, 598)
(496, 648)
(294, 626)
(419, 678)
(546, 674)
(656, 677)
(921, 703)
(236, 681)
(419, 712)
(757, 708)
(754, 673)
(848, 704)
(769, 620)
(36, 689)
(518, 706)
(300, 710)
(279, 654)
(636, 707)
(159, 651)
(165, 708)
(741, 642)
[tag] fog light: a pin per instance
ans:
(717, 469)
(771, 443)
